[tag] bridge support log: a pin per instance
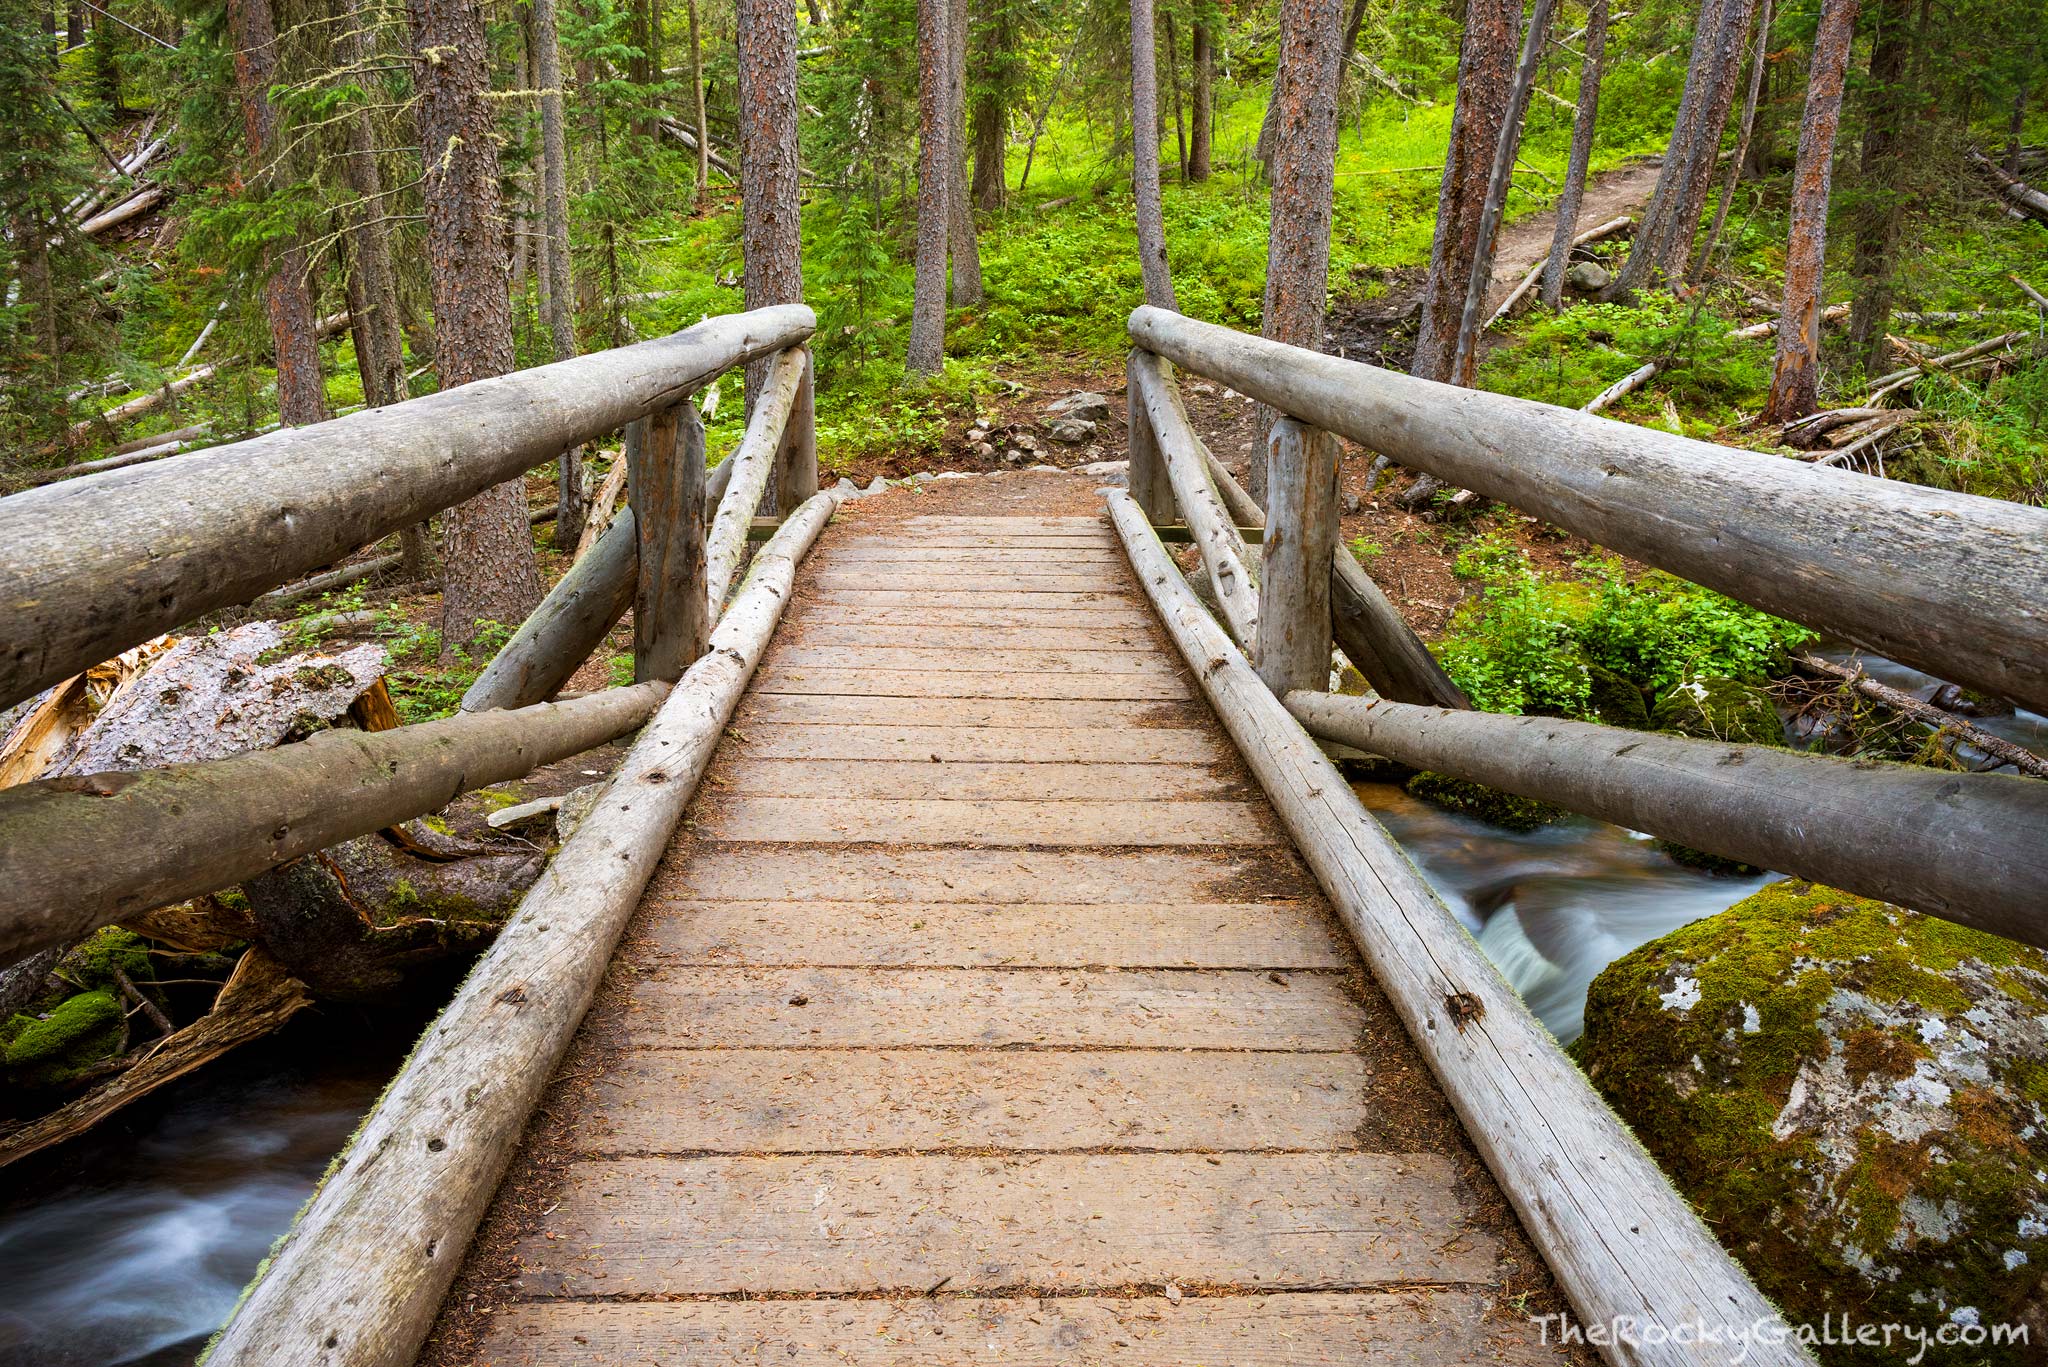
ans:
(666, 475)
(360, 1277)
(1147, 479)
(80, 853)
(1293, 649)
(1947, 583)
(796, 459)
(1622, 1243)
(1968, 848)
(558, 636)
(92, 566)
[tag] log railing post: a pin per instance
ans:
(665, 474)
(796, 460)
(1148, 479)
(1294, 567)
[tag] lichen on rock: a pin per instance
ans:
(1710, 707)
(1491, 805)
(1855, 1097)
(52, 1050)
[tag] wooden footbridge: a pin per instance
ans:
(974, 959)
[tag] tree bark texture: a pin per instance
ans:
(1202, 105)
(927, 348)
(554, 179)
(1145, 160)
(1929, 579)
(697, 100)
(1718, 98)
(1465, 353)
(380, 343)
(490, 572)
(301, 392)
(991, 132)
(1486, 64)
(1304, 173)
(1879, 213)
(1581, 155)
(1646, 251)
(1795, 380)
(84, 852)
(962, 247)
(1758, 62)
(666, 474)
(575, 617)
(86, 571)
(771, 235)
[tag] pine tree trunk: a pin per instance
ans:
(1465, 354)
(1880, 210)
(991, 103)
(1180, 127)
(74, 24)
(1202, 117)
(554, 180)
(1647, 248)
(301, 392)
(490, 572)
(1581, 156)
(1690, 200)
(703, 129)
(1795, 381)
(772, 233)
(927, 350)
(961, 244)
(1486, 67)
(1145, 160)
(1304, 165)
(380, 344)
(1733, 175)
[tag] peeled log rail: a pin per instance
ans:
(1367, 627)
(1965, 847)
(360, 1277)
(93, 566)
(1945, 582)
(1622, 1243)
(559, 635)
(80, 853)
(750, 468)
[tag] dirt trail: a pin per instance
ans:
(1624, 190)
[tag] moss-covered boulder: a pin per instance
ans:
(53, 1050)
(1714, 708)
(1490, 805)
(1615, 699)
(1856, 1098)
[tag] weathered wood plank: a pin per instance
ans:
(985, 743)
(911, 578)
(1620, 1240)
(1411, 1328)
(865, 1101)
(912, 684)
(794, 655)
(665, 472)
(778, 708)
(360, 1277)
(691, 1008)
(1104, 613)
(876, 551)
(1002, 877)
(998, 522)
(1041, 935)
(649, 1226)
(982, 605)
(971, 780)
(997, 641)
(918, 821)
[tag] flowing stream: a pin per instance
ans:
(130, 1246)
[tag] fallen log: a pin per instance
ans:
(1929, 580)
(2022, 197)
(86, 569)
(1898, 379)
(1604, 1218)
(140, 456)
(558, 636)
(277, 600)
(1368, 628)
(1964, 847)
(132, 207)
(1627, 384)
(258, 998)
(1594, 234)
(610, 490)
(84, 852)
(1770, 325)
(1805, 433)
(349, 1283)
(1926, 713)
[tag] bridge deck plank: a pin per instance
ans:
(981, 986)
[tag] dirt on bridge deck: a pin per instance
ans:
(981, 1012)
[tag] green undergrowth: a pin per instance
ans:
(1571, 646)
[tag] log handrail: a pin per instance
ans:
(93, 566)
(1949, 583)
